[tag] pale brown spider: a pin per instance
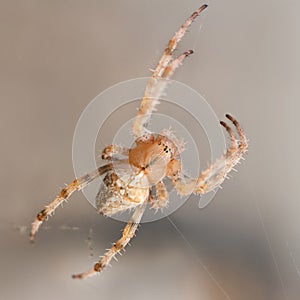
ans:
(152, 158)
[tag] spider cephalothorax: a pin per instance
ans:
(134, 177)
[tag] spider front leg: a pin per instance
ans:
(215, 174)
(64, 194)
(163, 71)
(173, 42)
(112, 150)
(127, 235)
(154, 90)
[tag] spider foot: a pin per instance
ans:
(84, 274)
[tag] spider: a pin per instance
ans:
(130, 181)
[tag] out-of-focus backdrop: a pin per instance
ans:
(56, 56)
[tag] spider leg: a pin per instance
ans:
(154, 89)
(216, 173)
(64, 194)
(162, 197)
(151, 96)
(173, 42)
(127, 235)
(112, 150)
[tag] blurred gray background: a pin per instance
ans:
(56, 56)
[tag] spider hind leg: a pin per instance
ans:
(64, 194)
(127, 234)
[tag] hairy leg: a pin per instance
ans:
(64, 194)
(214, 176)
(154, 87)
(173, 42)
(127, 235)
(216, 173)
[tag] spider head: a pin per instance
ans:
(165, 147)
(170, 142)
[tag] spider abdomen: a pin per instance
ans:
(121, 192)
